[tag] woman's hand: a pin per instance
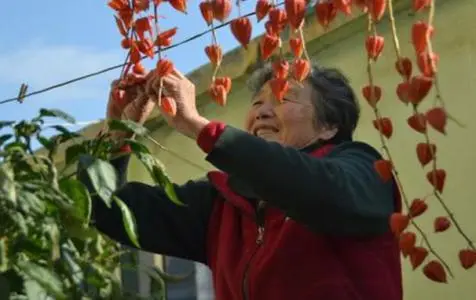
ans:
(187, 120)
(129, 101)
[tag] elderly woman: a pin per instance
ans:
(296, 210)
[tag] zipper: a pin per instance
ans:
(259, 241)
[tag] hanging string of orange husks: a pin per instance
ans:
(220, 10)
(412, 90)
(140, 37)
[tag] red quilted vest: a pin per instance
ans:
(283, 260)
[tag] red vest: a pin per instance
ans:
(286, 261)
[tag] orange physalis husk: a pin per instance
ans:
(398, 223)
(164, 39)
(420, 31)
(374, 45)
(296, 46)
(218, 93)
(325, 13)
(427, 63)
(168, 105)
(270, 28)
(372, 94)
(224, 81)
(417, 207)
(241, 29)
(142, 25)
(376, 9)
(164, 67)
(437, 179)
(295, 10)
(118, 4)
(146, 46)
(121, 27)
(206, 8)
(138, 68)
(404, 67)
(407, 242)
(344, 6)
(262, 9)
(403, 91)
(435, 271)
(141, 5)
(269, 43)
(180, 5)
(302, 68)
(279, 87)
(437, 118)
(418, 5)
(126, 43)
(467, 258)
(221, 9)
(134, 54)
(214, 54)
(384, 169)
(420, 86)
(278, 19)
(384, 126)
(441, 224)
(127, 17)
(417, 256)
(417, 122)
(425, 153)
(281, 69)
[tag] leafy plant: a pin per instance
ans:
(47, 247)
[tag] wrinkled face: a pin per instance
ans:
(292, 122)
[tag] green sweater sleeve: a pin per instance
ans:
(339, 194)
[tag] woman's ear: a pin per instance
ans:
(326, 133)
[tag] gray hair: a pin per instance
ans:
(334, 102)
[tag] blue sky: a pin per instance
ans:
(46, 42)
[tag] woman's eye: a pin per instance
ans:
(256, 103)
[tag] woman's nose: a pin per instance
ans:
(265, 111)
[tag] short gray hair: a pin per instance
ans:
(335, 103)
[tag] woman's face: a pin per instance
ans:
(290, 123)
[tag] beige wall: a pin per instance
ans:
(455, 41)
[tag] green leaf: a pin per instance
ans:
(76, 190)
(3, 255)
(54, 235)
(171, 278)
(56, 113)
(73, 152)
(157, 172)
(34, 290)
(128, 126)
(7, 183)
(43, 276)
(102, 175)
(129, 221)
(15, 146)
(30, 203)
(137, 147)
(47, 143)
(6, 124)
(4, 138)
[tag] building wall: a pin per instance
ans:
(455, 41)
